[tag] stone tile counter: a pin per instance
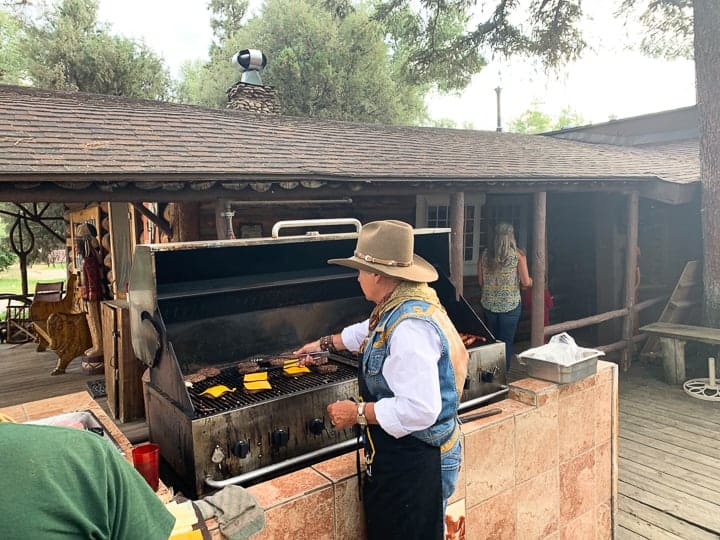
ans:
(545, 468)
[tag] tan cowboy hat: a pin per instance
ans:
(386, 247)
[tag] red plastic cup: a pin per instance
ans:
(146, 459)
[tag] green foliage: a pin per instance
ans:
(437, 48)
(7, 257)
(531, 121)
(12, 64)
(425, 46)
(43, 240)
(68, 49)
(442, 123)
(11, 282)
(569, 118)
(204, 83)
(227, 16)
(534, 121)
(322, 65)
(669, 25)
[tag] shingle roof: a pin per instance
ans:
(80, 136)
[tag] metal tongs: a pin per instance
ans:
(263, 360)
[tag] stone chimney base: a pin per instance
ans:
(253, 98)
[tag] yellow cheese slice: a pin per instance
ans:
(217, 391)
(185, 518)
(296, 370)
(191, 535)
(184, 513)
(257, 385)
(290, 362)
(251, 377)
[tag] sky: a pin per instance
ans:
(610, 81)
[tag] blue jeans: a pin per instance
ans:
(503, 326)
(450, 468)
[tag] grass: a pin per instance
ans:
(10, 278)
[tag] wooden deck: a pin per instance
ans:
(25, 376)
(669, 444)
(669, 461)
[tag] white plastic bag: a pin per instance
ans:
(561, 349)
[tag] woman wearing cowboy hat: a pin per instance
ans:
(412, 368)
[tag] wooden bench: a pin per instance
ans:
(672, 341)
(61, 326)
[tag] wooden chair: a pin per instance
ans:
(61, 326)
(17, 322)
(49, 292)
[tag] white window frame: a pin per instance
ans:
(476, 200)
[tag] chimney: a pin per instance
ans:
(499, 120)
(249, 93)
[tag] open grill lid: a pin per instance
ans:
(197, 304)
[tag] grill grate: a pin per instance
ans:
(282, 386)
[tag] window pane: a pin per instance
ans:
(468, 233)
(437, 216)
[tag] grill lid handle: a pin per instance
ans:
(152, 341)
(314, 223)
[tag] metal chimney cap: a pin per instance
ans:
(250, 59)
(251, 63)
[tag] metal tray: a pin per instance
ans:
(81, 420)
(548, 370)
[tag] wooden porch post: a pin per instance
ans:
(630, 277)
(188, 222)
(539, 269)
(121, 246)
(457, 223)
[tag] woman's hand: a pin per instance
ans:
(343, 414)
(304, 352)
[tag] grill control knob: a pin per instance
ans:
(487, 376)
(217, 456)
(280, 438)
(316, 426)
(241, 449)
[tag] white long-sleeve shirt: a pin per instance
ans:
(411, 371)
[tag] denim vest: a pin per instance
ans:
(376, 352)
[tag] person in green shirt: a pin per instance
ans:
(58, 482)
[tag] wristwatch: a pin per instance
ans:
(361, 419)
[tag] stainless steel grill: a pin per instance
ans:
(197, 305)
(283, 386)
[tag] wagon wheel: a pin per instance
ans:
(22, 241)
(705, 389)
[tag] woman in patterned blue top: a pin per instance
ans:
(502, 270)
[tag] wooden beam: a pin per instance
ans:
(586, 321)
(631, 268)
(539, 269)
(161, 224)
(123, 187)
(457, 224)
(621, 345)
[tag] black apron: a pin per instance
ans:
(402, 495)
